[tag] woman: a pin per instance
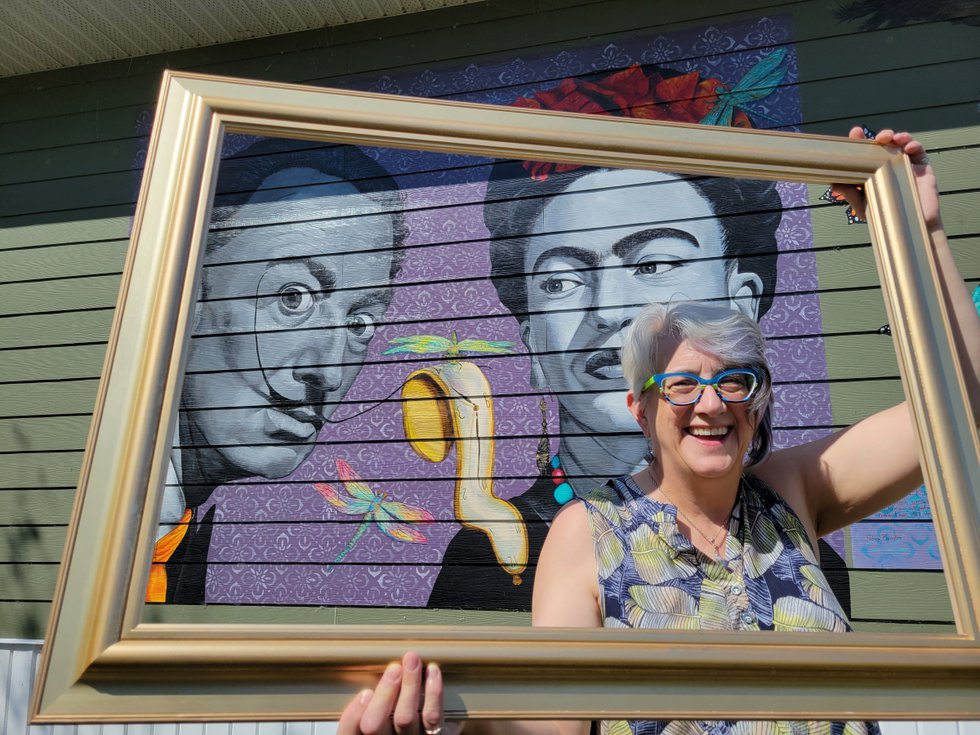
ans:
(698, 390)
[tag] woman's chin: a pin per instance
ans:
(713, 465)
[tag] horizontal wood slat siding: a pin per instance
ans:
(69, 168)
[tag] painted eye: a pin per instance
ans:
(295, 298)
(555, 285)
(361, 326)
(654, 268)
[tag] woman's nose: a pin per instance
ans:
(710, 402)
(609, 320)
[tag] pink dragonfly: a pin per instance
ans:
(395, 520)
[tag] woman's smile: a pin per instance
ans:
(708, 438)
(709, 432)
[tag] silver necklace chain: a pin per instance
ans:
(719, 555)
(745, 613)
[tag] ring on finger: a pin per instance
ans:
(437, 730)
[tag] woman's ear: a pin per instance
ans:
(744, 292)
(537, 374)
(637, 407)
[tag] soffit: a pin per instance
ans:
(41, 35)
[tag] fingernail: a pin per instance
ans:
(412, 662)
(432, 671)
(365, 696)
(393, 673)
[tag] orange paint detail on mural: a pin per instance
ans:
(156, 586)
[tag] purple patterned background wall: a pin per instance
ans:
(274, 542)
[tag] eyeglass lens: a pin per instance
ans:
(733, 387)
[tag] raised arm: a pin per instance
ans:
(846, 477)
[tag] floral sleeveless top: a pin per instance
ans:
(652, 576)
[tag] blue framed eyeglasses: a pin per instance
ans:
(685, 389)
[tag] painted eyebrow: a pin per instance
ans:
(588, 257)
(621, 248)
(624, 248)
(372, 297)
(326, 276)
(329, 282)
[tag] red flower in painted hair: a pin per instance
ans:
(630, 93)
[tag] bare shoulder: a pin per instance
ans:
(571, 521)
(566, 583)
(569, 542)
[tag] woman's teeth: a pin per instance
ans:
(712, 431)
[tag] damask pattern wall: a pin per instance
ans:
(72, 145)
(446, 315)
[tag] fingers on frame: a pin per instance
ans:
(406, 715)
(432, 706)
(350, 719)
(905, 140)
(376, 718)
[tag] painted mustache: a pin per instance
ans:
(604, 365)
(308, 411)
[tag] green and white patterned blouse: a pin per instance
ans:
(652, 576)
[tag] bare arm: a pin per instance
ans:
(566, 584)
(566, 589)
(565, 594)
(845, 477)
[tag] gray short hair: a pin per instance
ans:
(726, 333)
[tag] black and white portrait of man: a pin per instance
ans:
(298, 265)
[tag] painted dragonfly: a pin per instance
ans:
(760, 81)
(394, 519)
(430, 344)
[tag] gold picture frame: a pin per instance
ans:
(103, 663)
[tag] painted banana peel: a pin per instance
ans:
(450, 404)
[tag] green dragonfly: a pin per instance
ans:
(760, 81)
(430, 344)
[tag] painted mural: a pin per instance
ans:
(404, 363)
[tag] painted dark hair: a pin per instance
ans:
(241, 177)
(748, 212)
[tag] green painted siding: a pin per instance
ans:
(69, 176)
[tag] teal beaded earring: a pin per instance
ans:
(563, 491)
